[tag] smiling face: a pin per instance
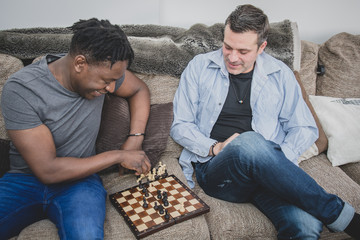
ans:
(94, 80)
(240, 50)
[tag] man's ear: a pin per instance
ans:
(79, 63)
(262, 47)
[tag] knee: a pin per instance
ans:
(300, 226)
(253, 148)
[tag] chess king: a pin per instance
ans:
(241, 118)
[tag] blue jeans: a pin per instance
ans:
(252, 169)
(76, 208)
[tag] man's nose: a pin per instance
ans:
(111, 87)
(233, 56)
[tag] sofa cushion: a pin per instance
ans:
(8, 66)
(115, 125)
(340, 119)
(353, 171)
(340, 56)
(309, 63)
(321, 143)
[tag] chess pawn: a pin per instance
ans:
(182, 208)
(167, 216)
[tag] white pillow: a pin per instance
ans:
(340, 119)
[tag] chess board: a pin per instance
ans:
(182, 204)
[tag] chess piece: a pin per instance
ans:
(145, 205)
(182, 208)
(161, 209)
(167, 216)
(159, 196)
(156, 207)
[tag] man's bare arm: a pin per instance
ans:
(37, 147)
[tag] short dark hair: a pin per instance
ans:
(249, 18)
(100, 41)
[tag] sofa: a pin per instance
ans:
(326, 72)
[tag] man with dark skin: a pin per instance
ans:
(52, 111)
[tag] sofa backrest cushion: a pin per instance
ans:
(309, 63)
(8, 66)
(341, 56)
(158, 49)
(322, 142)
(115, 126)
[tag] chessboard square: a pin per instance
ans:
(166, 184)
(173, 192)
(177, 195)
(194, 201)
(126, 193)
(177, 185)
(171, 198)
(137, 194)
(134, 217)
(139, 209)
(181, 199)
(158, 220)
(132, 201)
(141, 227)
(143, 214)
(150, 211)
(155, 183)
(190, 208)
(175, 214)
(127, 208)
(131, 212)
(185, 194)
(121, 200)
(146, 219)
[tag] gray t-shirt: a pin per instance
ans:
(33, 96)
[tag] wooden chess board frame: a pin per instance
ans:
(129, 203)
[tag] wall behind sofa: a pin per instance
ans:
(318, 20)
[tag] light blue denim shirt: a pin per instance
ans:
(279, 112)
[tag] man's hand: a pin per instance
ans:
(218, 147)
(134, 144)
(135, 160)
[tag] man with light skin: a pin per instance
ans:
(52, 111)
(241, 118)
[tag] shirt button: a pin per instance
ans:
(219, 103)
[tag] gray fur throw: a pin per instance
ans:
(158, 49)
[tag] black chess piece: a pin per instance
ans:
(167, 216)
(159, 196)
(161, 209)
(156, 207)
(145, 205)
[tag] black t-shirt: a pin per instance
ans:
(235, 117)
